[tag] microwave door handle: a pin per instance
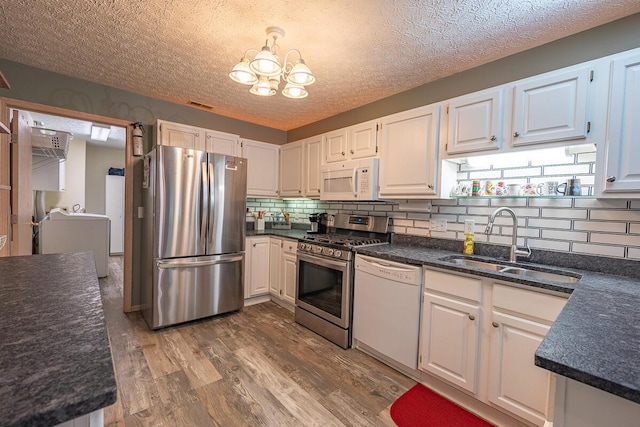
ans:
(355, 185)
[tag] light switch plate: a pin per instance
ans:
(438, 225)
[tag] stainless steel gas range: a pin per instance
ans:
(324, 291)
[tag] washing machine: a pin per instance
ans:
(61, 232)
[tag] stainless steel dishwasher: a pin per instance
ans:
(386, 309)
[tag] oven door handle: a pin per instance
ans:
(322, 261)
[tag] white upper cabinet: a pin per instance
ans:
(195, 138)
(363, 139)
(551, 107)
(222, 143)
(335, 146)
(178, 135)
(291, 169)
(312, 163)
(621, 151)
(408, 153)
(475, 122)
(354, 142)
(262, 168)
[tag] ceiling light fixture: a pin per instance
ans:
(100, 132)
(264, 71)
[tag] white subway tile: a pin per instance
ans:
(452, 210)
(500, 240)
(616, 239)
(444, 202)
(633, 253)
(462, 176)
(567, 170)
(421, 224)
(602, 250)
(473, 210)
(549, 223)
(635, 204)
(552, 160)
(529, 232)
(443, 234)
(382, 208)
(611, 215)
(417, 232)
(508, 201)
(523, 172)
(634, 228)
(398, 230)
(553, 245)
(529, 212)
(419, 216)
(603, 226)
(474, 201)
(492, 174)
(564, 213)
(398, 215)
(600, 203)
(553, 202)
(402, 222)
(252, 204)
(586, 157)
(575, 236)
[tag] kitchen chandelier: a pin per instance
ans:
(264, 71)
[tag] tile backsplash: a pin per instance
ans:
(584, 225)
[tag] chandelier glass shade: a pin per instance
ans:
(264, 72)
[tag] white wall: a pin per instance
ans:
(75, 180)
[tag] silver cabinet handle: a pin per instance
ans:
(343, 153)
(495, 324)
(493, 137)
(352, 151)
(516, 134)
(611, 179)
(472, 317)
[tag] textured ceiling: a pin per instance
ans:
(359, 50)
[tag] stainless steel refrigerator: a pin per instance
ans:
(193, 235)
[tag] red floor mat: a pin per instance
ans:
(421, 407)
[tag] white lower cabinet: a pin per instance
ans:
(480, 336)
(282, 271)
(256, 266)
(450, 326)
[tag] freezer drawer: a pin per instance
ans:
(186, 289)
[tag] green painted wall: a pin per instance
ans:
(617, 36)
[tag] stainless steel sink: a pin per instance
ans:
(553, 276)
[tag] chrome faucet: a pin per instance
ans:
(514, 252)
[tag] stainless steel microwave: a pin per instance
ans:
(350, 180)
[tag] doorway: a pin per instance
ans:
(9, 105)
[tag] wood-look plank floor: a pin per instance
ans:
(256, 367)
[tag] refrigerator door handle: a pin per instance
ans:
(225, 259)
(212, 202)
(205, 203)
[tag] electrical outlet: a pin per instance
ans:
(469, 225)
(438, 225)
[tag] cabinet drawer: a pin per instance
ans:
(453, 284)
(528, 303)
(289, 246)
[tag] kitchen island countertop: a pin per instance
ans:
(55, 360)
(596, 337)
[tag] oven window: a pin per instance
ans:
(321, 287)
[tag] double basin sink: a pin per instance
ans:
(519, 270)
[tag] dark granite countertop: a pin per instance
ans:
(55, 360)
(596, 338)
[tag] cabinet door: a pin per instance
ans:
(289, 276)
(408, 153)
(475, 122)
(449, 340)
(177, 135)
(313, 161)
(275, 260)
(262, 168)
(257, 273)
(335, 146)
(363, 141)
(515, 383)
(551, 108)
(291, 169)
(622, 148)
(222, 143)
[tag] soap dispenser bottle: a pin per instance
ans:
(467, 247)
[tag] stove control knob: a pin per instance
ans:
(319, 249)
(307, 247)
(330, 251)
(337, 254)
